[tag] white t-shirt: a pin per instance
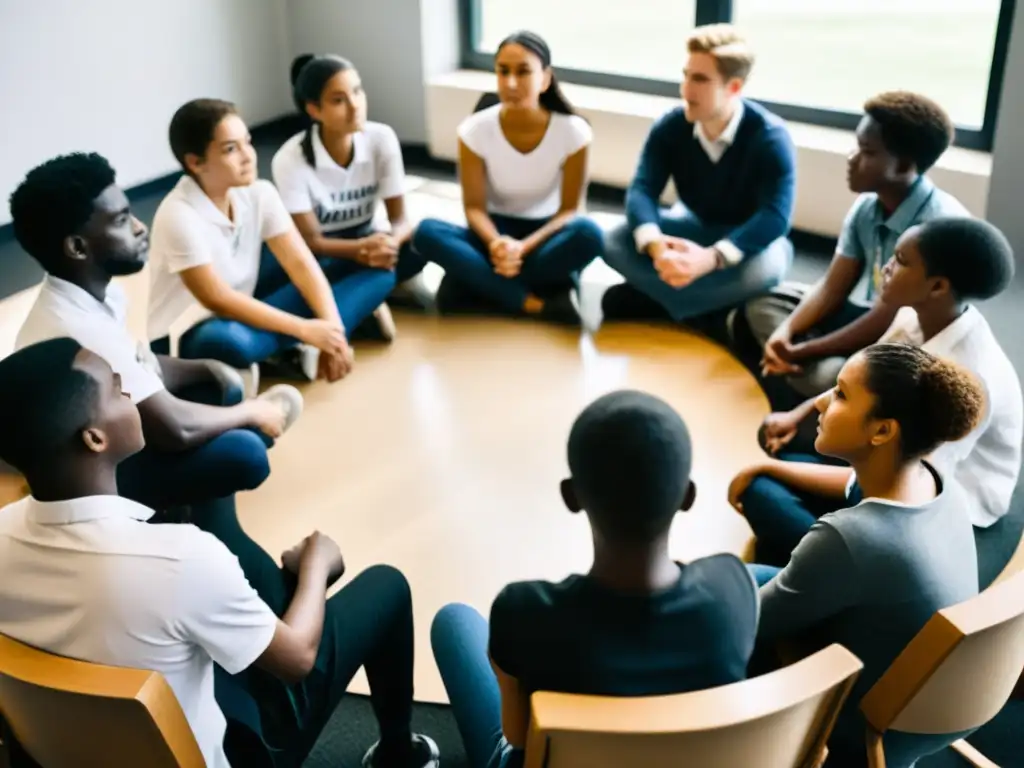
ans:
(986, 462)
(190, 231)
(63, 309)
(341, 197)
(527, 186)
(90, 579)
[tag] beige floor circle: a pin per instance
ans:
(441, 455)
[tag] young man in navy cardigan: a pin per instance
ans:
(733, 166)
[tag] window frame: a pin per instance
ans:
(712, 11)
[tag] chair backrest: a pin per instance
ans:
(778, 720)
(958, 671)
(486, 100)
(71, 713)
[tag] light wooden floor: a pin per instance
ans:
(441, 454)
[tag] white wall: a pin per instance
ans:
(383, 39)
(106, 76)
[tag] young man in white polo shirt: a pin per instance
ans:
(936, 269)
(212, 294)
(96, 566)
(70, 215)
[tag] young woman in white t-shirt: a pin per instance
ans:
(523, 167)
(333, 175)
(214, 292)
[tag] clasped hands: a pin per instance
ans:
(507, 255)
(379, 250)
(679, 261)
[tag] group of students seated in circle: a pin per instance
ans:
(898, 424)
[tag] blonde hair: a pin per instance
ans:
(727, 46)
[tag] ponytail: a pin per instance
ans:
(933, 400)
(309, 76)
(552, 99)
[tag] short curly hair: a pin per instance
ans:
(972, 254)
(913, 126)
(55, 201)
(935, 401)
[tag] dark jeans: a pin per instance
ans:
(357, 290)
(231, 462)
(368, 623)
(779, 516)
(554, 265)
(459, 637)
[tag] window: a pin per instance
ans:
(817, 60)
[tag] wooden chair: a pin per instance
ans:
(66, 713)
(779, 720)
(12, 487)
(955, 675)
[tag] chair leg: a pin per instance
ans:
(876, 752)
(971, 755)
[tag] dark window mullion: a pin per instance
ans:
(713, 11)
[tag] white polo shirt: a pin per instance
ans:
(190, 231)
(986, 462)
(342, 198)
(89, 579)
(527, 186)
(62, 309)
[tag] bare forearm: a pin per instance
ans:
(537, 238)
(480, 222)
(334, 247)
(815, 306)
(178, 374)
(861, 333)
(251, 311)
(183, 425)
(305, 614)
(815, 479)
(401, 230)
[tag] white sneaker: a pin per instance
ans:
(290, 400)
(250, 380)
(309, 360)
(385, 322)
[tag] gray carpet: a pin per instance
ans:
(353, 729)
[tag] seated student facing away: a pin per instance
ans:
(209, 294)
(97, 565)
(333, 175)
(523, 168)
(732, 163)
(806, 332)
(637, 624)
(936, 270)
(870, 576)
(71, 216)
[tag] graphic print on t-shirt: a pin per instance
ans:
(347, 207)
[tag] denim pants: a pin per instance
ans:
(555, 264)
(756, 274)
(233, 461)
(459, 637)
(368, 623)
(357, 291)
(780, 516)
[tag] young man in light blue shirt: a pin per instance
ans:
(807, 332)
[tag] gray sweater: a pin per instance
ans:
(869, 577)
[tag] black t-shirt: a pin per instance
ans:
(580, 637)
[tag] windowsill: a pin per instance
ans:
(621, 120)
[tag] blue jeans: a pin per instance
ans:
(357, 290)
(780, 516)
(231, 462)
(554, 265)
(459, 636)
(755, 275)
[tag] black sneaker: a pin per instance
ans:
(562, 308)
(453, 298)
(624, 302)
(425, 754)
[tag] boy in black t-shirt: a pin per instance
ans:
(637, 624)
